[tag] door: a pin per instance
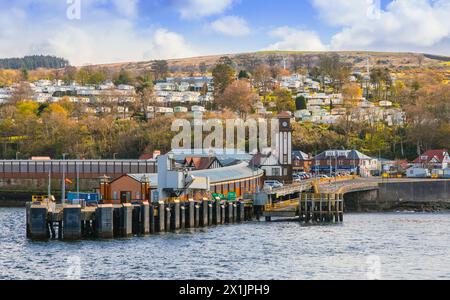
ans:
(125, 197)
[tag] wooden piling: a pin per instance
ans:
(190, 214)
(126, 220)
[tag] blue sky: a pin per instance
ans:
(103, 31)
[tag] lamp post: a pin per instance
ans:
(63, 196)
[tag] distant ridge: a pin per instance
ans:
(34, 62)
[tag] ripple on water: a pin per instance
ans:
(407, 246)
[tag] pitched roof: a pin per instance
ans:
(200, 163)
(300, 155)
(343, 154)
(428, 156)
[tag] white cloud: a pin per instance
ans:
(128, 8)
(291, 39)
(99, 37)
(232, 26)
(404, 25)
(195, 9)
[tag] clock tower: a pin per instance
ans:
(284, 146)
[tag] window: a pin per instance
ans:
(276, 172)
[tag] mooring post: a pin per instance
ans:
(216, 212)
(329, 212)
(72, 222)
(28, 218)
(241, 211)
(145, 218)
(197, 216)
(152, 218)
(341, 213)
(176, 215)
(136, 217)
(168, 217)
(235, 212)
(104, 221)
(307, 211)
(300, 208)
(222, 213)
(126, 220)
(183, 216)
(161, 224)
(204, 213)
(38, 223)
(190, 214)
(210, 213)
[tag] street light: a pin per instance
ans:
(63, 197)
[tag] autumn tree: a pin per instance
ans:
(223, 76)
(239, 97)
(284, 100)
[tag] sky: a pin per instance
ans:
(109, 31)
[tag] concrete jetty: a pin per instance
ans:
(106, 221)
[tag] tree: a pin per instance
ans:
(262, 79)
(301, 103)
(123, 77)
(160, 69)
(243, 75)
(239, 97)
(145, 92)
(203, 68)
(284, 100)
(223, 76)
(21, 93)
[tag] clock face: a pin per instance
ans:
(285, 124)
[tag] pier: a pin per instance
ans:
(309, 209)
(74, 222)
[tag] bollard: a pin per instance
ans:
(190, 214)
(182, 217)
(72, 222)
(104, 221)
(145, 218)
(126, 220)
(161, 224)
(38, 223)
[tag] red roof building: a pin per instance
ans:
(439, 159)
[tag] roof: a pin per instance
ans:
(343, 154)
(300, 155)
(232, 173)
(201, 163)
(140, 178)
(428, 156)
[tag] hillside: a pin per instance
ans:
(358, 59)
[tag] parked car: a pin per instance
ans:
(272, 184)
(322, 176)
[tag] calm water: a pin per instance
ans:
(387, 246)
